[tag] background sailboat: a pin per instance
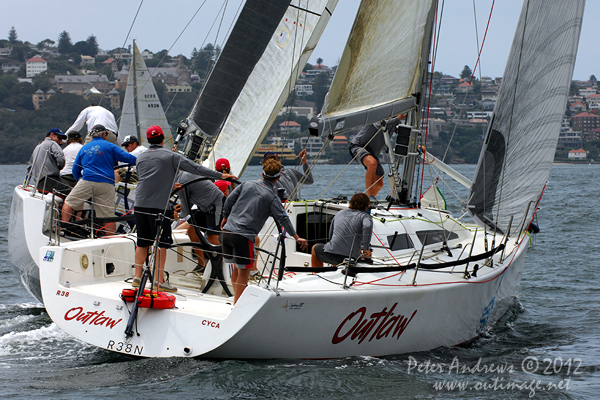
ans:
(141, 105)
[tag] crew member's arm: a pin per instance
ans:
(79, 122)
(279, 214)
(307, 178)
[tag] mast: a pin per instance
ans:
(135, 95)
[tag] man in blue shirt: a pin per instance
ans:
(94, 165)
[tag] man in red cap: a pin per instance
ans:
(157, 168)
(222, 165)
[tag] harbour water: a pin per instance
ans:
(547, 346)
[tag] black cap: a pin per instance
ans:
(130, 139)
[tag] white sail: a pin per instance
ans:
(271, 81)
(519, 149)
(378, 73)
(141, 106)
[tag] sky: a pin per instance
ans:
(162, 25)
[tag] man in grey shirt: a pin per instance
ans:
(365, 147)
(290, 178)
(156, 169)
(46, 162)
(245, 212)
(204, 201)
(350, 231)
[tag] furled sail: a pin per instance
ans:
(517, 156)
(141, 106)
(255, 73)
(382, 64)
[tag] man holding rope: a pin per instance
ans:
(156, 169)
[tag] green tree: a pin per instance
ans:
(574, 89)
(46, 43)
(64, 43)
(12, 35)
(320, 87)
(466, 72)
(92, 46)
(319, 61)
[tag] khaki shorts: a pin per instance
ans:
(104, 197)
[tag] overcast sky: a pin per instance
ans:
(160, 22)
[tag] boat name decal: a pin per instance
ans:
(90, 317)
(292, 306)
(382, 324)
(212, 324)
(124, 347)
(62, 293)
(486, 315)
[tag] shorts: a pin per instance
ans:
(359, 153)
(145, 219)
(238, 249)
(209, 221)
(329, 258)
(104, 197)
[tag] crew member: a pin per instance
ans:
(46, 162)
(74, 144)
(156, 169)
(365, 148)
(96, 115)
(350, 231)
(290, 178)
(94, 165)
(245, 212)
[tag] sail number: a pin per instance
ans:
(124, 347)
(149, 96)
(153, 105)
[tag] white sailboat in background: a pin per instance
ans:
(435, 280)
(141, 105)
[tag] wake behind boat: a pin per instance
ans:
(433, 280)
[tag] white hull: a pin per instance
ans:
(304, 316)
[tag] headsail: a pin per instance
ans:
(379, 72)
(141, 106)
(244, 119)
(517, 156)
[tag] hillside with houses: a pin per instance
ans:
(45, 85)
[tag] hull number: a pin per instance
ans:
(124, 347)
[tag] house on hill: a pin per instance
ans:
(289, 126)
(579, 154)
(35, 66)
(593, 101)
(577, 107)
(585, 121)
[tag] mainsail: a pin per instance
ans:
(244, 92)
(141, 106)
(379, 72)
(517, 156)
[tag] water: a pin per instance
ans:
(554, 323)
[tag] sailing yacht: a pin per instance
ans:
(434, 279)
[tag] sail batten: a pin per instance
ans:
(519, 149)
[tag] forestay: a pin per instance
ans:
(379, 72)
(141, 105)
(244, 119)
(517, 156)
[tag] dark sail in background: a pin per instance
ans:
(253, 30)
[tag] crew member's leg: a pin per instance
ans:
(373, 176)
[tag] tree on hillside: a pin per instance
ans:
(64, 43)
(466, 72)
(12, 35)
(593, 79)
(46, 43)
(574, 89)
(319, 61)
(320, 87)
(92, 46)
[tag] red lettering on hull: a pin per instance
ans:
(378, 325)
(91, 317)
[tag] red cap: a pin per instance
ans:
(154, 131)
(223, 185)
(222, 163)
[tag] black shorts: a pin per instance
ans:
(238, 249)
(358, 152)
(329, 258)
(207, 221)
(145, 219)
